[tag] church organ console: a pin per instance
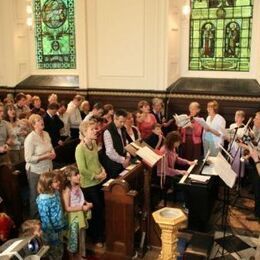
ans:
(199, 197)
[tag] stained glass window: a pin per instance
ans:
(55, 34)
(220, 35)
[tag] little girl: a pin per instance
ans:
(31, 227)
(78, 211)
(234, 149)
(51, 213)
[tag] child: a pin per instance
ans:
(51, 213)
(234, 148)
(31, 227)
(78, 210)
(155, 140)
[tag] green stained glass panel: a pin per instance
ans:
(55, 34)
(220, 35)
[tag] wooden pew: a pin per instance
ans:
(127, 214)
(11, 193)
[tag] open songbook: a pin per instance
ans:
(182, 120)
(144, 151)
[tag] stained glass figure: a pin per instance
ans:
(232, 40)
(207, 40)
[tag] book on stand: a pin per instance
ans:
(144, 151)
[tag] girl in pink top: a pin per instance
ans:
(145, 119)
(191, 135)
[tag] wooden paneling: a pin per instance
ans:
(177, 97)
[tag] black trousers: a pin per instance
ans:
(257, 193)
(97, 222)
(254, 180)
(74, 133)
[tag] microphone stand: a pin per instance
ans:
(241, 165)
(168, 102)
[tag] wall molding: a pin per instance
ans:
(127, 93)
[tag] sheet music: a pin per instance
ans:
(148, 155)
(224, 170)
(201, 121)
(209, 170)
(135, 145)
(182, 120)
(199, 178)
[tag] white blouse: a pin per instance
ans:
(219, 124)
(34, 147)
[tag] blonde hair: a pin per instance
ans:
(34, 98)
(83, 104)
(33, 119)
(68, 172)
(84, 126)
(45, 182)
(28, 227)
(195, 104)
(53, 96)
(241, 113)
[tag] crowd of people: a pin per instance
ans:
(72, 200)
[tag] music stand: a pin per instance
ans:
(228, 176)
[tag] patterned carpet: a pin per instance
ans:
(240, 207)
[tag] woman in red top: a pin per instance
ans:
(146, 120)
(191, 135)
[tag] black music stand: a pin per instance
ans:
(228, 177)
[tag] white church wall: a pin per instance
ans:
(14, 55)
(2, 77)
(256, 42)
(174, 24)
(21, 41)
(127, 44)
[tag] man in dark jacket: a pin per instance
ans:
(53, 124)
